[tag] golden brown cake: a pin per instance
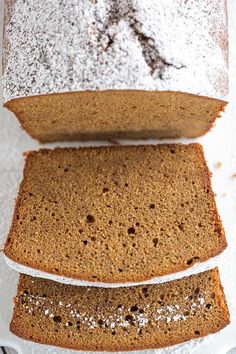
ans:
(115, 69)
(140, 317)
(115, 214)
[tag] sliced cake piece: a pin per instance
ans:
(115, 214)
(141, 317)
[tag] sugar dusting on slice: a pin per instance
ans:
(110, 317)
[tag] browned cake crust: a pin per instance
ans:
(120, 319)
(115, 214)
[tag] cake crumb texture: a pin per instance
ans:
(115, 214)
(142, 317)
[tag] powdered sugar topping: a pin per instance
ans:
(61, 46)
(112, 317)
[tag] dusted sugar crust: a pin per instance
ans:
(55, 46)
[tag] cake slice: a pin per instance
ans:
(115, 214)
(141, 317)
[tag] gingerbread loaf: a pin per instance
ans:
(91, 319)
(115, 214)
(115, 69)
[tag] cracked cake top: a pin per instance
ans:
(56, 46)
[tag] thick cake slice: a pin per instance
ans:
(115, 214)
(115, 69)
(140, 317)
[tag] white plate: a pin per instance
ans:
(219, 146)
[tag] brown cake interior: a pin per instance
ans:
(115, 214)
(102, 115)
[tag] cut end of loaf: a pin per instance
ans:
(127, 114)
(128, 213)
(142, 317)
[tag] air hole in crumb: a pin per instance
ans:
(90, 219)
(134, 244)
(81, 231)
(197, 333)
(197, 291)
(56, 270)
(94, 276)
(30, 194)
(145, 290)
(131, 230)
(141, 310)
(113, 333)
(186, 313)
(152, 206)
(110, 222)
(57, 319)
(66, 170)
(85, 242)
(181, 226)
(137, 224)
(26, 292)
(120, 270)
(126, 185)
(129, 318)
(213, 296)
(208, 306)
(134, 308)
(93, 238)
(190, 261)
(78, 324)
(119, 306)
(105, 190)
(172, 151)
(100, 322)
(155, 242)
(69, 324)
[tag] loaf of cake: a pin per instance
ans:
(141, 317)
(115, 214)
(110, 69)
